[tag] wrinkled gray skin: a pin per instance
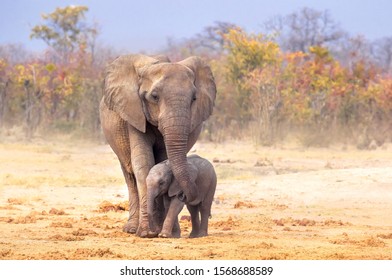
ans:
(152, 110)
(161, 183)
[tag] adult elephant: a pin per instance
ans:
(152, 110)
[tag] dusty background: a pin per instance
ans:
(65, 200)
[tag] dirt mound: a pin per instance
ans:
(107, 206)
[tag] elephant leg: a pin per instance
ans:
(142, 161)
(172, 215)
(176, 232)
(133, 220)
(157, 217)
(162, 202)
(160, 155)
(116, 133)
(205, 213)
(205, 207)
(194, 211)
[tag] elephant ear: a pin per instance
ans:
(121, 88)
(205, 90)
(174, 187)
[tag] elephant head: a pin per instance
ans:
(174, 97)
(160, 181)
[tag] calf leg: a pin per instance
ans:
(205, 214)
(194, 211)
(171, 217)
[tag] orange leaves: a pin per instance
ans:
(380, 91)
(305, 89)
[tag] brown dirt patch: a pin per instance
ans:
(107, 206)
(69, 202)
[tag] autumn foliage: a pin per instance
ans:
(310, 95)
(59, 90)
(265, 92)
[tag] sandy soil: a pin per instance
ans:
(67, 201)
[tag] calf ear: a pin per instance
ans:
(174, 188)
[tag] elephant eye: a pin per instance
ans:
(154, 96)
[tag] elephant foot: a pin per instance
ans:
(154, 230)
(198, 234)
(169, 235)
(195, 232)
(176, 234)
(193, 235)
(143, 230)
(130, 227)
(165, 235)
(152, 234)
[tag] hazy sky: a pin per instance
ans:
(134, 25)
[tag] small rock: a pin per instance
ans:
(185, 218)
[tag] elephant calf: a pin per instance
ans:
(161, 183)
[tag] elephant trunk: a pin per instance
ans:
(176, 136)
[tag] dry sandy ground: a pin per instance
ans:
(66, 201)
